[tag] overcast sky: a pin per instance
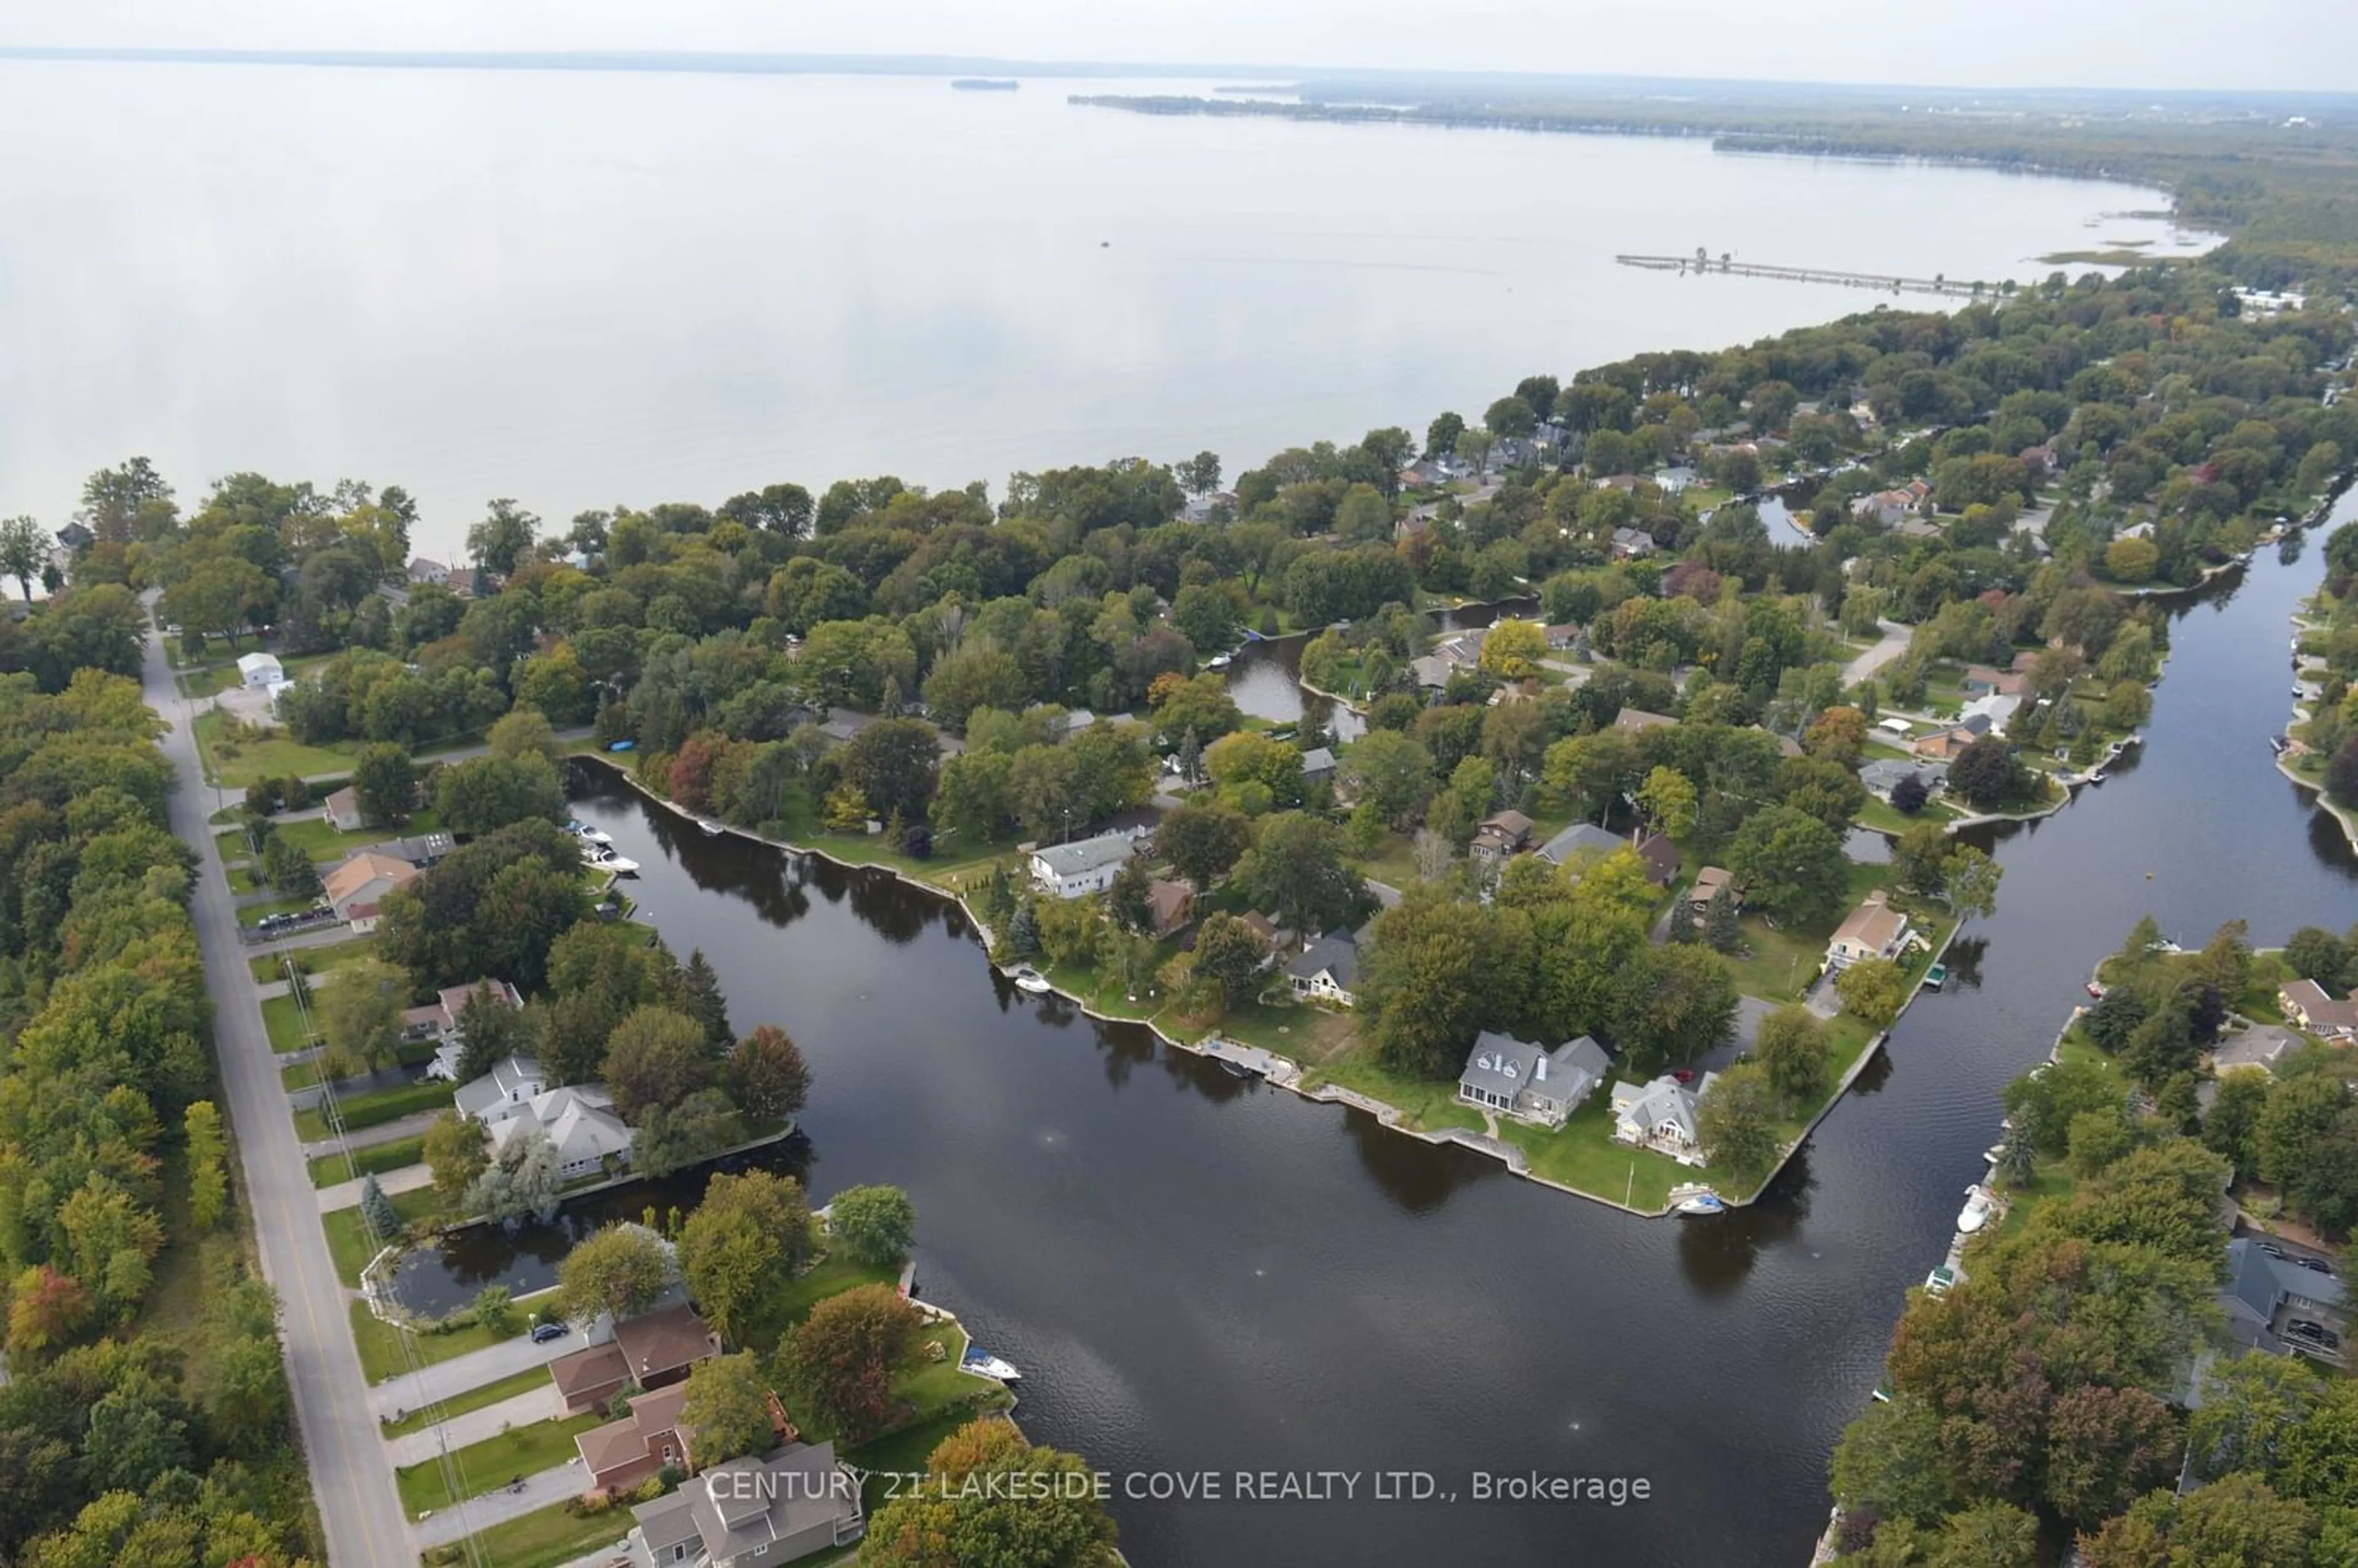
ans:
(2292, 44)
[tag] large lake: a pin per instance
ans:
(584, 289)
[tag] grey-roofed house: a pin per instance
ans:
(796, 1501)
(1632, 719)
(423, 851)
(508, 1089)
(1632, 544)
(1660, 858)
(2264, 1292)
(1515, 1078)
(1328, 969)
(1084, 865)
(1580, 838)
(1885, 774)
(1317, 764)
(1660, 1116)
(1432, 671)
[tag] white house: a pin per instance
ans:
(1083, 867)
(439, 1021)
(1660, 1116)
(1515, 1078)
(1328, 969)
(424, 570)
(261, 671)
(505, 1092)
(1998, 708)
(579, 1120)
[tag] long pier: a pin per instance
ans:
(1701, 263)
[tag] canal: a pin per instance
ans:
(1198, 1273)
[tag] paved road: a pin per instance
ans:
(496, 1507)
(412, 1391)
(1894, 643)
(473, 1426)
(358, 1509)
(347, 1195)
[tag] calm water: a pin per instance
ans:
(579, 289)
(1200, 1272)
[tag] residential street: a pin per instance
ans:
(350, 1479)
(1894, 643)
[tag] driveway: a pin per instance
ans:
(359, 1510)
(413, 1390)
(472, 1426)
(497, 1507)
(347, 1195)
(1893, 645)
(411, 1126)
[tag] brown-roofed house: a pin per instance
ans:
(359, 882)
(1661, 857)
(2005, 683)
(1169, 905)
(1707, 883)
(2025, 661)
(344, 810)
(1942, 745)
(650, 1352)
(1500, 836)
(1636, 718)
(623, 1453)
(2315, 1010)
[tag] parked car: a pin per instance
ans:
(2315, 1334)
(2271, 1249)
(2316, 1266)
(548, 1331)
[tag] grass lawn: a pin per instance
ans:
(519, 1451)
(1582, 1155)
(379, 1344)
(475, 1399)
(1885, 819)
(332, 1170)
(235, 764)
(251, 914)
(283, 1017)
(374, 1108)
(1309, 1036)
(832, 1276)
(304, 1074)
(547, 1537)
(937, 1395)
(324, 843)
(1424, 1105)
(349, 1241)
(311, 961)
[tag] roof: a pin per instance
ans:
(1873, 924)
(2318, 1005)
(2263, 1046)
(357, 869)
(1665, 1102)
(1580, 836)
(735, 1519)
(1318, 760)
(1086, 855)
(1507, 1067)
(420, 848)
(2262, 1282)
(1638, 718)
(424, 567)
(584, 1371)
(345, 802)
(1335, 955)
(1885, 774)
(577, 1118)
(249, 663)
(1168, 903)
(1661, 857)
(509, 1075)
(624, 1442)
(1709, 880)
(664, 1341)
(1998, 708)
(1513, 823)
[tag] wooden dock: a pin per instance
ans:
(1702, 265)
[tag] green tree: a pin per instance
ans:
(207, 1153)
(1389, 771)
(23, 552)
(1668, 799)
(1737, 1123)
(522, 732)
(482, 794)
(1202, 840)
(728, 1405)
(842, 1358)
(457, 1154)
(1792, 1050)
(1873, 991)
(1721, 928)
(741, 1250)
(875, 1225)
(1890, 1461)
(384, 783)
(1790, 864)
(1296, 869)
(1228, 955)
(623, 1269)
(359, 1006)
(767, 1075)
(2299, 1113)
(1514, 650)
(656, 1056)
(2231, 1127)
(377, 1211)
(1426, 989)
(518, 1183)
(1986, 774)
(502, 539)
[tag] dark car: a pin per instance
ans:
(2316, 1266)
(2316, 1334)
(548, 1331)
(2271, 1249)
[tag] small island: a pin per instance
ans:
(984, 84)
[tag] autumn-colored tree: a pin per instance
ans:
(623, 1269)
(1512, 650)
(765, 1074)
(964, 1517)
(456, 1152)
(45, 1313)
(728, 1407)
(844, 1355)
(741, 1250)
(690, 779)
(1873, 990)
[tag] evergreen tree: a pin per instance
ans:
(1682, 920)
(704, 1002)
(1191, 758)
(1024, 931)
(1719, 924)
(377, 1210)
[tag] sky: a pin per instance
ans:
(2162, 43)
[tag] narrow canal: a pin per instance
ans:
(1200, 1273)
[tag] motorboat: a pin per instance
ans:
(711, 829)
(1217, 662)
(1028, 978)
(588, 834)
(1700, 1203)
(1975, 1213)
(1936, 977)
(2096, 989)
(1940, 1280)
(983, 1363)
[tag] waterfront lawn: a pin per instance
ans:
(379, 1343)
(831, 1276)
(371, 1160)
(474, 1398)
(349, 1241)
(1295, 1031)
(272, 966)
(1885, 819)
(282, 1016)
(1582, 1155)
(519, 1451)
(547, 1537)
(374, 1108)
(1425, 1105)
(927, 1392)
